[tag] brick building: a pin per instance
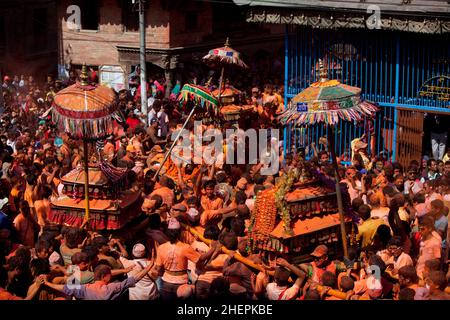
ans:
(28, 37)
(177, 31)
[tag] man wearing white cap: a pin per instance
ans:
(146, 288)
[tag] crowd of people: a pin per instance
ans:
(401, 249)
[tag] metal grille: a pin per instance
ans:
(393, 69)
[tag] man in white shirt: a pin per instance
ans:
(146, 288)
(150, 101)
(432, 172)
(11, 142)
(412, 183)
(280, 290)
(163, 120)
(394, 257)
(354, 185)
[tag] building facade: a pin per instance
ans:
(28, 37)
(397, 51)
(177, 31)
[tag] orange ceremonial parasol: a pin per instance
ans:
(87, 112)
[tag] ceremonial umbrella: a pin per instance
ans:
(200, 96)
(85, 112)
(328, 101)
(220, 57)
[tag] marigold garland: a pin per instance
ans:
(283, 187)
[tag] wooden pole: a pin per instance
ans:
(86, 182)
(226, 45)
(226, 251)
(338, 188)
(220, 85)
(372, 137)
(175, 141)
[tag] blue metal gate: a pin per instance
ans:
(393, 69)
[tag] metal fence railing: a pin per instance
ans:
(392, 69)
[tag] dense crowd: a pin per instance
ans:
(401, 227)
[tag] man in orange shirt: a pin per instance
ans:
(210, 202)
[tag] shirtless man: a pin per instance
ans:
(212, 206)
(164, 188)
(152, 135)
(65, 149)
(109, 148)
(42, 208)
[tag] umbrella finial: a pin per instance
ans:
(323, 72)
(227, 42)
(84, 75)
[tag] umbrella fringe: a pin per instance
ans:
(199, 96)
(224, 56)
(355, 113)
(85, 128)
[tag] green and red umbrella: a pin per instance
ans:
(199, 95)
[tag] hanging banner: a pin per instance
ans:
(437, 88)
(302, 107)
(113, 77)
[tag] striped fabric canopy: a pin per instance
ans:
(327, 101)
(85, 111)
(199, 95)
(224, 56)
